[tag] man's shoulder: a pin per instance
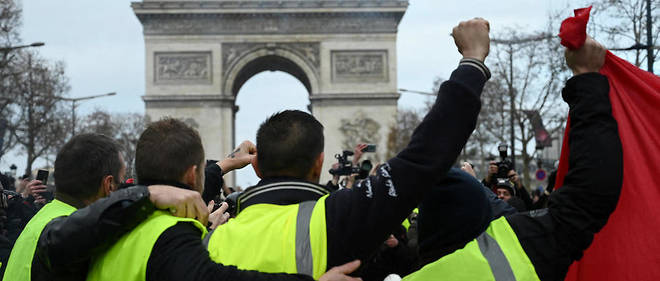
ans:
(161, 220)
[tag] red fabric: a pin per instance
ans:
(573, 30)
(628, 247)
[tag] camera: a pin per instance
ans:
(505, 165)
(346, 167)
(232, 202)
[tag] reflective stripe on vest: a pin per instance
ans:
(127, 259)
(274, 238)
(19, 266)
(496, 255)
(304, 261)
(499, 265)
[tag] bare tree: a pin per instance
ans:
(10, 21)
(399, 134)
(623, 23)
(532, 69)
(491, 126)
(476, 148)
(39, 123)
(100, 122)
(124, 128)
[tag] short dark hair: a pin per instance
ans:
(166, 149)
(83, 162)
(288, 143)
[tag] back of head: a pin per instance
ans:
(83, 162)
(166, 149)
(451, 214)
(288, 143)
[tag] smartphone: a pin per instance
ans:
(42, 175)
(369, 148)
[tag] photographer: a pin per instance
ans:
(353, 170)
(498, 171)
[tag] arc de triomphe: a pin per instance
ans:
(200, 53)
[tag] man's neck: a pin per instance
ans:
(68, 199)
(178, 184)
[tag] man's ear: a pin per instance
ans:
(190, 177)
(319, 160)
(255, 166)
(107, 185)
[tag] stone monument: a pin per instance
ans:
(200, 53)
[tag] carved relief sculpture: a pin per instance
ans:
(359, 66)
(186, 67)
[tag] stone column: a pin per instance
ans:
(211, 116)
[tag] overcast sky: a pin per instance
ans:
(102, 46)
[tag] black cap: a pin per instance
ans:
(507, 184)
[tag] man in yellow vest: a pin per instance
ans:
(542, 244)
(165, 247)
(87, 168)
(289, 223)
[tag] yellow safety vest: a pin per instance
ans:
(406, 222)
(19, 266)
(493, 256)
(127, 259)
(274, 238)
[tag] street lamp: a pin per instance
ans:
(6, 50)
(74, 105)
(417, 92)
(11, 48)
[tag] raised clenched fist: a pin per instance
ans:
(471, 38)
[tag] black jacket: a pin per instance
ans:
(555, 237)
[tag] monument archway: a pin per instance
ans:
(200, 53)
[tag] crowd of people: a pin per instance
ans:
(414, 216)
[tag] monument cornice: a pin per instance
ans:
(365, 96)
(188, 97)
(269, 17)
(344, 99)
(269, 6)
(286, 23)
(188, 101)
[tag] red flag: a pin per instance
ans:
(628, 247)
(573, 30)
